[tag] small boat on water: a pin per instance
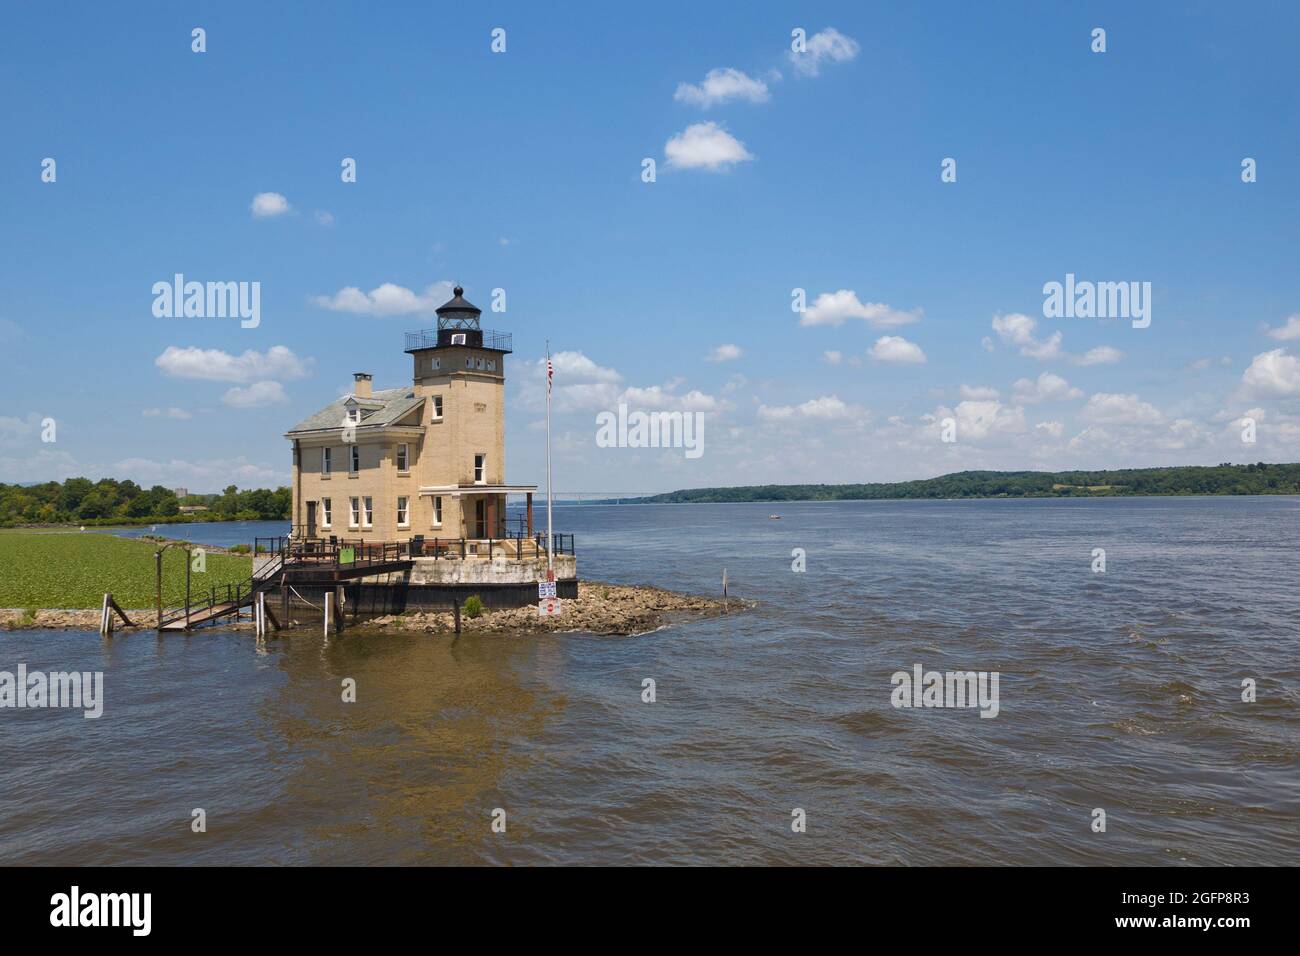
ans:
(774, 517)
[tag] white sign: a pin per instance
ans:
(548, 607)
(546, 589)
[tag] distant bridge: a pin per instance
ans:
(594, 495)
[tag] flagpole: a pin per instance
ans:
(550, 537)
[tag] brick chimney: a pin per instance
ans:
(361, 388)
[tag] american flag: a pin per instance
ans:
(550, 373)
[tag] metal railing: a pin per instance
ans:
(297, 552)
(231, 596)
(428, 339)
(517, 547)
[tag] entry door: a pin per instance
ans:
(311, 519)
(480, 518)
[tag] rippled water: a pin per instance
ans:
(1118, 690)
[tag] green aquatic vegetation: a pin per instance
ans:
(73, 570)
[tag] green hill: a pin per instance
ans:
(1256, 479)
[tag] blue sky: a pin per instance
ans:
(523, 171)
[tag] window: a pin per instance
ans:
(327, 513)
(480, 469)
(403, 512)
(492, 365)
(326, 465)
(469, 362)
(458, 338)
(478, 363)
(354, 512)
(403, 457)
(355, 465)
(370, 511)
(437, 408)
(437, 511)
(354, 415)
(435, 363)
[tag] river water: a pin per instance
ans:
(1119, 691)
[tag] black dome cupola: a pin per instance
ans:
(458, 312)
(458, 325)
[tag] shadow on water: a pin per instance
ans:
(411, 771)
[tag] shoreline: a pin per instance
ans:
(603, 609)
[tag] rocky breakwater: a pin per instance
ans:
(600, 609)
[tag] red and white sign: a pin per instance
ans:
(548, 607)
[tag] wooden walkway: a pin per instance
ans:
(205, 614)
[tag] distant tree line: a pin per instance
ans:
(1225, 479)
(109, 501)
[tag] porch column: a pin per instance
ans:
(530, 514)
(491, 510)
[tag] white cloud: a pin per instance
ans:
(1053, 429)
(658, 398)
(387, 299)
(214, 365)
(580, 384)
(173, 412)
(265, 205)
(725, 353)
(896, 350)
(1017, 329)
(1046, 388)
(978, 392)
(1020, 332)
(576, 367)
(828, 46)
(834, 308)
(1101, 355)
(202, 477)
(256, 395)
(721, 85)
(977, 420)
(1106, 408)
(833, 357)
(826, 408)
(1288, 332)
(705, 146)
(324, 217)
(18, 432)
(1274, 373)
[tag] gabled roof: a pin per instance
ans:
(383, 408)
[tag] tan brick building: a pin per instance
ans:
(426, 459)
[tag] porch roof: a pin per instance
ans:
(455, 491)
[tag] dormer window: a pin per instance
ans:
(354, 414)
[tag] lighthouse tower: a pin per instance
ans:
(459, 369)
